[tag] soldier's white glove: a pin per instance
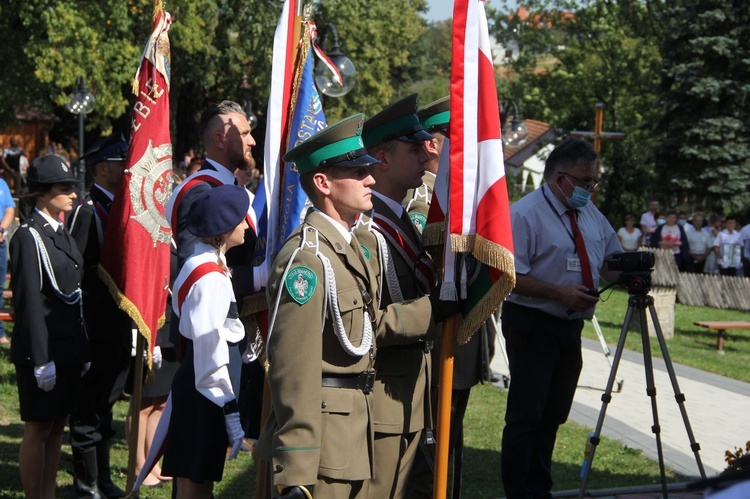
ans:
(234, 432)
(46, 376)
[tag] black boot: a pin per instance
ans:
(85, 471)
(106, 486)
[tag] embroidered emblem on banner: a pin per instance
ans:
(300, 284)
(150, 189)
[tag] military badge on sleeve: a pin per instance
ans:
(419, 220)
(365, 251)
(300, 284)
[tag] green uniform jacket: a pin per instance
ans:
(401, 392)
(314, 431)
(417, 201)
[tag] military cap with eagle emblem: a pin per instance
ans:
(436, 115)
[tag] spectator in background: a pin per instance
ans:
(745, 233)
(12, 158)
(8, 210)
(701, 245)
(728, 248)
(682, 219)
(715, 225)
(648, 221)
(671, 236)
(630, 236)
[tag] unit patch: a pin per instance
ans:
(419, 220)
(300, 284)
(365, 251)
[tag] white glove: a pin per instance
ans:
(46, 376)
(157, 358)
(234, 432)
(720, 262)
(85, 368)
(249, 354)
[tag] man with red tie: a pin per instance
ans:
(561, 242)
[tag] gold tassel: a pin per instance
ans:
(158, 9)
(485, 308)
(434, 234)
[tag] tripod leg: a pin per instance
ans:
(651, 387)
(678, 395)
(606, 398)
(605, 349)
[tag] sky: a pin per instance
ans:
(443, 9)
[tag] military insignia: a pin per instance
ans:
(419, 220)
(300, 284)
(365, 251)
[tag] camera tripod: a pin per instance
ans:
(638, 302)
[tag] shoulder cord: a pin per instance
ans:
(389, 269)
(41, 251)
(330, 298)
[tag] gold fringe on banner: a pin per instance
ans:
(485, 307)
(434, 234)
(158, 9)
(129, 308)
(461, 243)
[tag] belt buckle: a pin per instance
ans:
(369, 381)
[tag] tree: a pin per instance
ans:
(572, 56)
(705, 154)
(380, 37)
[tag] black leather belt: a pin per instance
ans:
(424, 346)
(362, 381)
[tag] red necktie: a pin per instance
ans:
(588, 279)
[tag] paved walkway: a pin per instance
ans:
(717, 409)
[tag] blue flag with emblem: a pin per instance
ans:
(308, 118)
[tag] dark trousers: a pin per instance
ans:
(731, 271)
(101, 387)
(544, 354)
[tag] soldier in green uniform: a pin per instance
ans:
(401, 408)
(434, 118)
(322, 328)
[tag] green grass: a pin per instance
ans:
(692, 345)
(615, 465)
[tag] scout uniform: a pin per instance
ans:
(204, 405)
(401, 408)
(434, 118)
(321, 343)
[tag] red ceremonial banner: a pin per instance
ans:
(135, 254)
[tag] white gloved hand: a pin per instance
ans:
(85, 368)
(249, 354)
(46, 376)
(157, 358)
(235, 433)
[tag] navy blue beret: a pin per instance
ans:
(50, 169)
(218, 211)
(112, 148)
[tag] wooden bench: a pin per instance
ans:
(720, 327)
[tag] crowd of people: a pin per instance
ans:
(353, 288)
(714, 245)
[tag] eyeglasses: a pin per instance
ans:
(588, 184)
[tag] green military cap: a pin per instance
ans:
(398, 121)
(338, 145)
(436, 115)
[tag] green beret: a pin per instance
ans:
(399, 121)
(436, 115)
(339, 144)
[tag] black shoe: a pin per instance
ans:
(85, 475)
(106, 486)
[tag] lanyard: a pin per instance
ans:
(571, 234)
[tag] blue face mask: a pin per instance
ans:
(661, 221)
(580, 198)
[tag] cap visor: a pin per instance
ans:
(364, 160)
(418, 136)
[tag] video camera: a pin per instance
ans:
(631, 261)
(635, 268)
